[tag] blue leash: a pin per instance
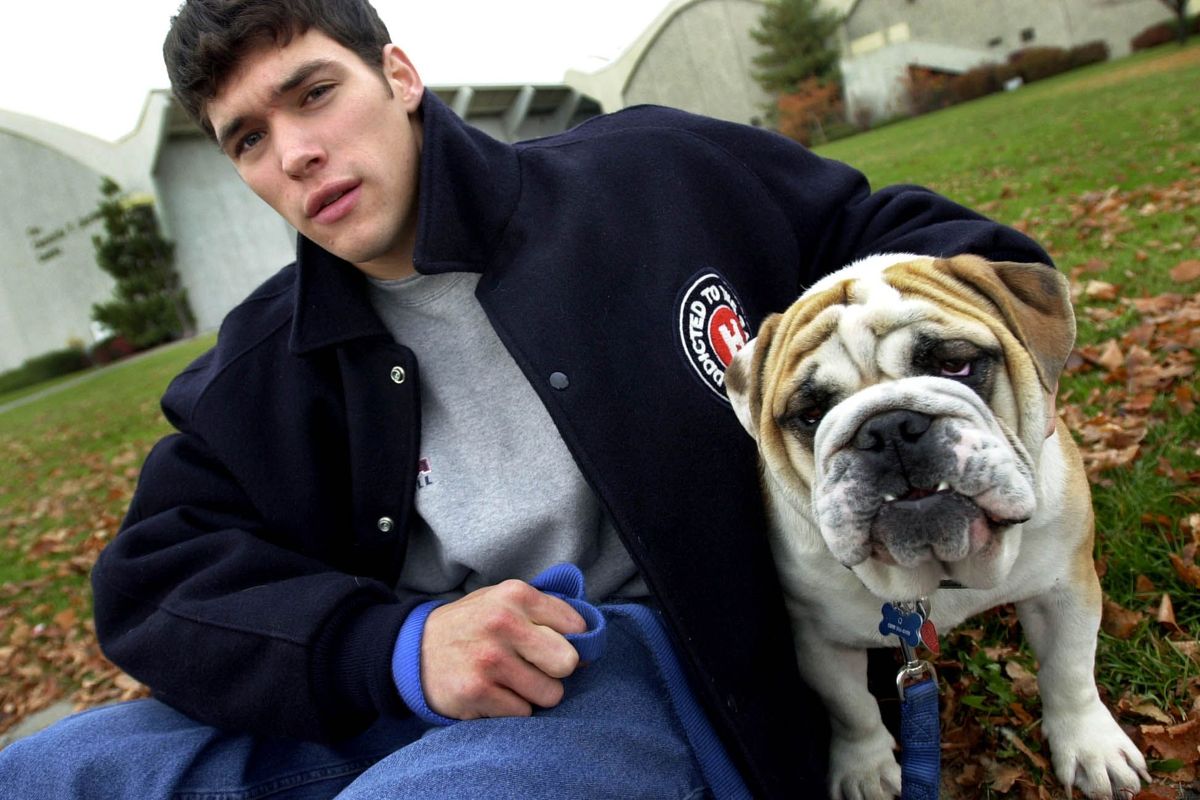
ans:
(920, 742)
(916, 683)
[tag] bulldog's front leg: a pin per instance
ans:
(1088, 749)
(861, 760)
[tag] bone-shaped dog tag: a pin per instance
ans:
(902, 622)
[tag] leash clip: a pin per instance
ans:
(911, 673)
(909, 622)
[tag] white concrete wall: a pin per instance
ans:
(48, 274)
(702, 62)
(227, 241)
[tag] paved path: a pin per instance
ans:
(84, 377)
(35, 722)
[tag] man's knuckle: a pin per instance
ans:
(489, 657)
(476, 689)
(500, 621)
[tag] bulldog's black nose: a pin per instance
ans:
(893, 430)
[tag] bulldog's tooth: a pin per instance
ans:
(888, 498)
(943, 486)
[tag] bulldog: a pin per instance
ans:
(903, 409)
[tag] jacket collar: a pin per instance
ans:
(468, 189)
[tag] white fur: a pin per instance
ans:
(835, 611)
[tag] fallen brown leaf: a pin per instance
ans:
(1023, 681)
(1187, 570)
(1187, 649)
(1180, 741)
(1144, 708)
(1185, 271)
(1004, 776)
(1166, 612)
(1100, 290)
(1037, 759)
(1118, 621)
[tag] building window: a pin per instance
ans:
(1027, 35)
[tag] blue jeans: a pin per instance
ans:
(617, 733)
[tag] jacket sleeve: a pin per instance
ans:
(194, 599)
(837, 219)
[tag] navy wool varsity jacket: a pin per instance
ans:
(252, 584)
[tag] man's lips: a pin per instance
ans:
(332, 202)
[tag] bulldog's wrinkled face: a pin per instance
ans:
(893, 408)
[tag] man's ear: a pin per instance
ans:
(402, 77)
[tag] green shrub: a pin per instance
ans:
(111, 349)
(1088, 53)
(982, 80)
(1039, 63)
(1162, 33)
(43, 368)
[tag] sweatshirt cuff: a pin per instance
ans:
(406, 664)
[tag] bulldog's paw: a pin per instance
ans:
(864, 769)
(1091, 752)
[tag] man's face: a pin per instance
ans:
(316, 133)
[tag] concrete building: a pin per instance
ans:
(880, 39)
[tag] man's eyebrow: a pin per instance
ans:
(298, 76)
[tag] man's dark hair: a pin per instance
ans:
(209, 37)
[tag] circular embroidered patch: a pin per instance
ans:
(712, 328)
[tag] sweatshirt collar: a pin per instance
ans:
(468, 188)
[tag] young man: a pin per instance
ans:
(487, 360)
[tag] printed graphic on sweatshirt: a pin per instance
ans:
(424, 473)
(712, 328)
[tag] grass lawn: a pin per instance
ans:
(1101, 165)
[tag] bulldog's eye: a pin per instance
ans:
(955, 368)
(809, 417)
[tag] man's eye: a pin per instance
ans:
(248, 141)
(955, 368)
(317, 92)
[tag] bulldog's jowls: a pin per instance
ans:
(904, 412)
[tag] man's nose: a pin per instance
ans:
(299, 152)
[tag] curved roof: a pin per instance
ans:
(124, 161)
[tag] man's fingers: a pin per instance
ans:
(534, 624)
(542, 608)
(548, 651)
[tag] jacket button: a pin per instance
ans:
(398, 375)
(385, 524)
(559, 380)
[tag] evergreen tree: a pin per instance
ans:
(149, 306)
(1179, 8)
(798, 37)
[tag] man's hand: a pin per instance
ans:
(498, 652)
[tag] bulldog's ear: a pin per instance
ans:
(1036, 303)
(743, 377)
